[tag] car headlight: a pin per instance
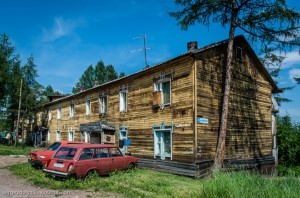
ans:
(41, 156)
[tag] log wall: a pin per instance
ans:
(141, 114)
(249, 120)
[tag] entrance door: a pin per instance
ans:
(162, 144)
(95, 138)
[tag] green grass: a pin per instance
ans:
(11, 150)
(146, 183)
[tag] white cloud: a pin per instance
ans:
(294, 73)
(61, 27)
(291, 59)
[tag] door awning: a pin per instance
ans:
(97, 127)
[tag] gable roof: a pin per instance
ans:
(240, 38)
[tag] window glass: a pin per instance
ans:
(72, 110)
(115, 152)
(54, 146)
(87, 153)
(59, 112)
(123, 101)
(166, 92)
(65, 153)
(102, 153)
(88, 107)
(58, 136)
(71, 135)
(103, 104)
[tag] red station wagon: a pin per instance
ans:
(41, 157)
(80, 160)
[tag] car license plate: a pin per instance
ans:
(58, 165)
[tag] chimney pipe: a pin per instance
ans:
(193, 45)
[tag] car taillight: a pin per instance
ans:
(46, 164)
(71, 167)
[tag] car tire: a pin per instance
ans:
(131, 166)
(91, 172)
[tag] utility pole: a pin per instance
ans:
(19, 109)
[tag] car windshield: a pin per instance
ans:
(65, 153)
(54, 146)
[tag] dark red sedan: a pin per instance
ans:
(39, 158)
(80, 160)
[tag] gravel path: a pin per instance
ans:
(14, 187)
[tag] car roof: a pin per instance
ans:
(70, 142)
(89, 145)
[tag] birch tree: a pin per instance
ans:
(270, 22)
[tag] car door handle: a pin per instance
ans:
(97, 160)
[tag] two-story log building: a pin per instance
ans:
(169, 115)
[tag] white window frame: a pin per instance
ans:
(71, 135)
(59, 112)
(48, 136)
(88, 107)
(50, 114)
(72, 110)
(158, 87)
(103, 104)
(87, 137)
(123, 101)
(57, 135)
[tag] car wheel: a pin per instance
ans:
(91, 173)
(131, 166)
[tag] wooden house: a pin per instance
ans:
(168, 115)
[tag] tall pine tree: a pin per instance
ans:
(271, 22)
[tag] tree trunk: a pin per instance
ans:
(19, 109)
(219, 158)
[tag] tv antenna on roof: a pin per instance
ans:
(142, 49)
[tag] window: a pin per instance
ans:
(87, 153)
(239, 54)
(102, 153)
(103, 104)
(59, 112)
(123, 101)
(72, 110)
(71, 135)
(115, 152)
(57, 135)
(88, 107)
(50, 114)
(164, 88)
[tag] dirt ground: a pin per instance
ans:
(14, 187)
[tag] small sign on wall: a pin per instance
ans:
(202, 120)
(108, 138)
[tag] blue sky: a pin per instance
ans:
(66, 36)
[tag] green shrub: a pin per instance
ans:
(288, 134)
(289, 171)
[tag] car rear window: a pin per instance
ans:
(54, 146)
(65, 153)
